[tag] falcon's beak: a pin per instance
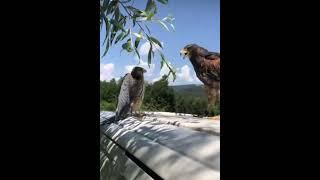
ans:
(183, 53)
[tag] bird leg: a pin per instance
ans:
(138, 114)
(213, 98)
(136, 108)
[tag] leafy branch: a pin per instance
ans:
(116, 22)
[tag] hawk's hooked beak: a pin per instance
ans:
(144, 71)
(183, 53)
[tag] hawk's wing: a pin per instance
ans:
(208, 70)
(212, 56)
(123, 106)
(207, 54)
(212, 63)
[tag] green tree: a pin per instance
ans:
(107, 106)
(159, 96)
(125, 23)
(103, 90)
(215, 110)
(112, 91)
(109, 90)
(108, 95)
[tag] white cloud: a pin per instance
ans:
(156, 79)
(149, 69)
(196, 79)
(164, 71)
(144, 65)
(142, 62)
(144, 48)
(128, 68)
(185, 74)
(106, 71)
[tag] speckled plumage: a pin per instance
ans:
(131, 93)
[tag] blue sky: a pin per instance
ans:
(195, 22)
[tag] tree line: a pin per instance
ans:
(159, 96)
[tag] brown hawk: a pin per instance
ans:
(207, 67)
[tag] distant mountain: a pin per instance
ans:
(190, 90)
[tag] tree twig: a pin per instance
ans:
(132, 17)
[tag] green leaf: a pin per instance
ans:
(124, 45)
(134, 21)
(143, 14)
(151, 14)
(107, 48)
(113, 22)
(174, 76)
(136, 50)
(169, 66)
(126, 35)
(161, 65)
(111, 7)
(120, 36)
(127, 46)
(163, 1)
(142, 18)
(133, 9)
(163, 25)
(117, 25)
(155, 41)
(117, 13)
(125, 1)
(140, 13)
(107, 24)
(173, 27)
(123, 19)
(150, 5)
(138, 38)
(138, 35)
(105, 5)
(136, 42)
(113, 34)
(101, 23)
(168, 19)
(149, 55)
